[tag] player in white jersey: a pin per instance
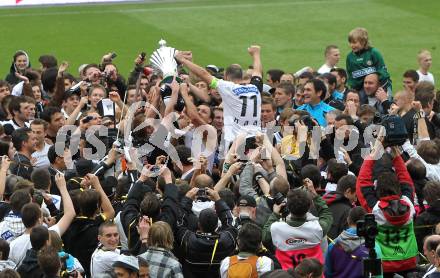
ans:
(241, 102)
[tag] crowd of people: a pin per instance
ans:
(220, 172)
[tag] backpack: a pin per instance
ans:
(246, 268)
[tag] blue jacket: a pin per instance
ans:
(344, 256)
(318, 111)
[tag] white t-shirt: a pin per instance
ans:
(19, 246)
(102, 261)
(426, 77)
(264, 264)
(41, 156)
(324, 69)
(241, 108)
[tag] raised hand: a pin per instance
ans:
(254, 49)
(381, 95)
(416, 105)
(114, 96)
(183, 55)
(63, 67)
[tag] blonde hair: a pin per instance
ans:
(423, 53)
(359, 35)
(160, 235)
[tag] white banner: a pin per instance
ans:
(49, 2)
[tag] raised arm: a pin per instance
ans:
(184, 57)
(191, 109)
(3, 172)
(68, 209)
(58, 96)
(107, 208)
(422, 128)
(254, 51)
(276, 158)
(199, 93)
(116, 98)
(224, 181)
(365, 187)
(406, 183)
(324, 214)
(72, 117)
(173, 99)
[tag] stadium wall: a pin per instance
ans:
(50, 2)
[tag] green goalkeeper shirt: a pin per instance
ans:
(363, 63)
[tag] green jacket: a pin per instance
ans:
(324, 215)
(363, 63)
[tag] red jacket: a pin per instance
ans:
(365, 190)
(394, 210)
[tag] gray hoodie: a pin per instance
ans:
(349, 240)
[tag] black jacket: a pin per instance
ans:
(198, 248)
(29, 268)
(339, 206)
(425, 223)
(21, 166)
(130, 214)
(81, 239)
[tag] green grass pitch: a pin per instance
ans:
(292, 33)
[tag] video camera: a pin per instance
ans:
(367, 229)
(396, 133)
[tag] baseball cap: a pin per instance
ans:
(247, 201)
(127, 262)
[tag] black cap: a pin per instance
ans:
(247, 201)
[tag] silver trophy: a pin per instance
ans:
(162, 60)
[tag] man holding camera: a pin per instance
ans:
(205, 249)
(390, 199)
(301, 235)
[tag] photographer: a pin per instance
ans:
(390, 199)
(246, 210)
(344, 256)
(301, 235)
(205, 249)
(113, 80)
(259, 180)
(142, 202)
